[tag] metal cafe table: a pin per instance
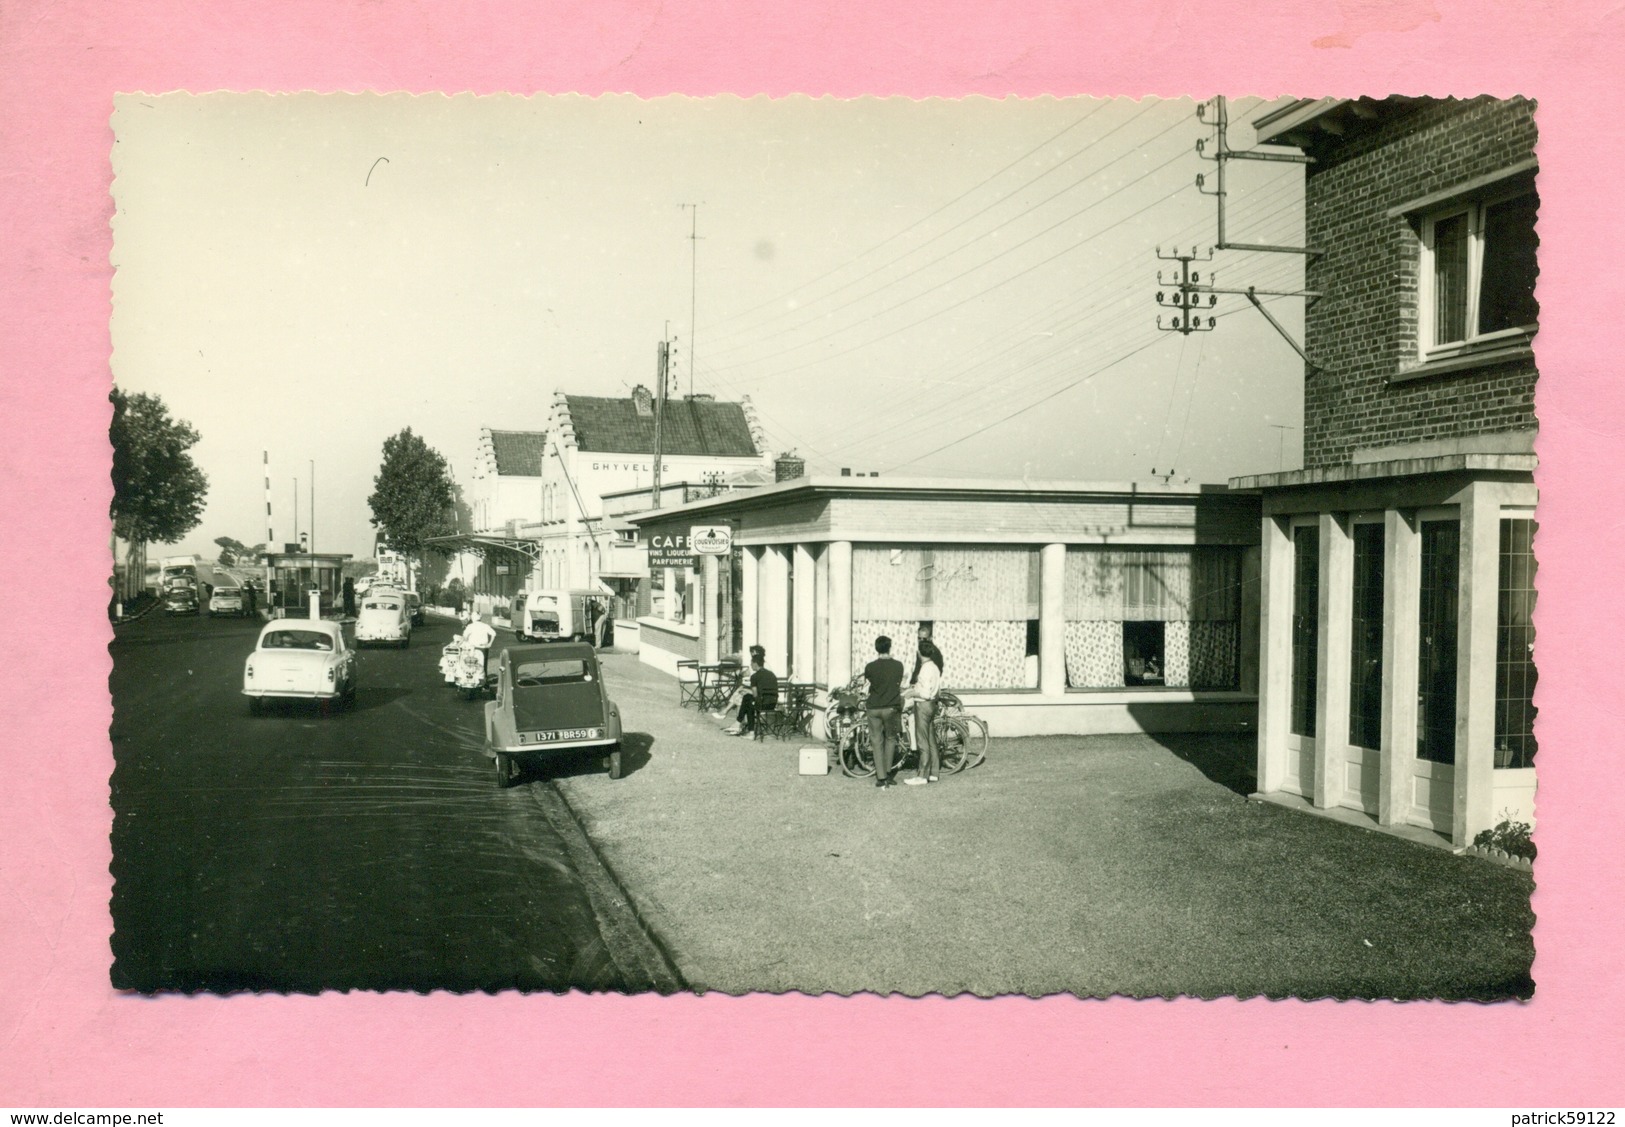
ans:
(711, 683)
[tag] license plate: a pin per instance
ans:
(567, 734)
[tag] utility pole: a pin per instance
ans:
(662, 362)
(693, 283)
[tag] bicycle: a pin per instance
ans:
(846, 725)
(976, 737)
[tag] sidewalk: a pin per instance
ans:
(1092, 865)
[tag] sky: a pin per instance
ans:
(919, 288)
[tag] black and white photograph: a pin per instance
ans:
(1025, 546)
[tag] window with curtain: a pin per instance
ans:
(1153, 616)
(981, 600)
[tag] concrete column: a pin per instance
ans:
(668, 609)
(1334, 652)
(840, 612)
(1401, 651)
(750, 571)
(773, 608)
(1478, 607)
(710, 610)
(821, 617)
(806, 591)
(1274, 653)
(1052, 620)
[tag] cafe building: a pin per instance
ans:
(1060, 607)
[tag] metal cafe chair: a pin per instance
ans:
(690, 684)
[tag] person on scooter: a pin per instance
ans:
(479, 635)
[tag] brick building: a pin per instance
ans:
(1396, 667)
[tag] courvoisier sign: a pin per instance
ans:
(679, 549)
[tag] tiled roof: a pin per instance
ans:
(689, 426)
(519, 452)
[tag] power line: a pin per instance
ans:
(974, 215)
(964, 273)
(923, 219)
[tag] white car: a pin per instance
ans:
(300, 659)
(227, 600)
(384, 618)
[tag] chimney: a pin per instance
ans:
(787, 466)
(643, 399)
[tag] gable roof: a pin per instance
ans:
(702, 426)
(518, 453)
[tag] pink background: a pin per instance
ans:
(69, 1040)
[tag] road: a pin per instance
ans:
(366, 849)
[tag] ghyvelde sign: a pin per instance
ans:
(670, 549)
(711, 539)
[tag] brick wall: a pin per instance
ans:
(1365, 327)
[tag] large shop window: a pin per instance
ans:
(1167, 617)
(1478, 271)
(1436, 672)
(1305, 629)
(1515, 647)
(1365, 664)
(983, 602)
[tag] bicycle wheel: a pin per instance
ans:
(856, 762)
(951, 739)
(976, 740)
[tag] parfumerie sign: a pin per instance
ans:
(678, 549)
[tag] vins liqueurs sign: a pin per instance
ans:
(670, 549)
(711, 539)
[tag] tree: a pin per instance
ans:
(412, 495)
(158, 491)
(234, 553)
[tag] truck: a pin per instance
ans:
(172, 569)
(561, 616)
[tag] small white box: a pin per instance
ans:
(814, 761)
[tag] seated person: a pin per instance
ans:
(759, 694)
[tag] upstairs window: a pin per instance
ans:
(1478, 274)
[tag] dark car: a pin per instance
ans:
(551, 702)
(182, 599)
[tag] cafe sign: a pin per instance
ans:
(711, 539)
(670, 549)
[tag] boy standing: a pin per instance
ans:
(885, 677)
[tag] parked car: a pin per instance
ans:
(384, 619)
(414, 603)
(227, 600)
(301, 659)
(181, 598)
(551, 702)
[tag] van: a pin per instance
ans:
(553, 616)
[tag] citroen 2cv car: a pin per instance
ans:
(300, 659)
(551, 702)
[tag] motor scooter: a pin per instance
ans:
(448, 660)
(469, 671)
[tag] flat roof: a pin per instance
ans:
(1404, 467)
(930, 486)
